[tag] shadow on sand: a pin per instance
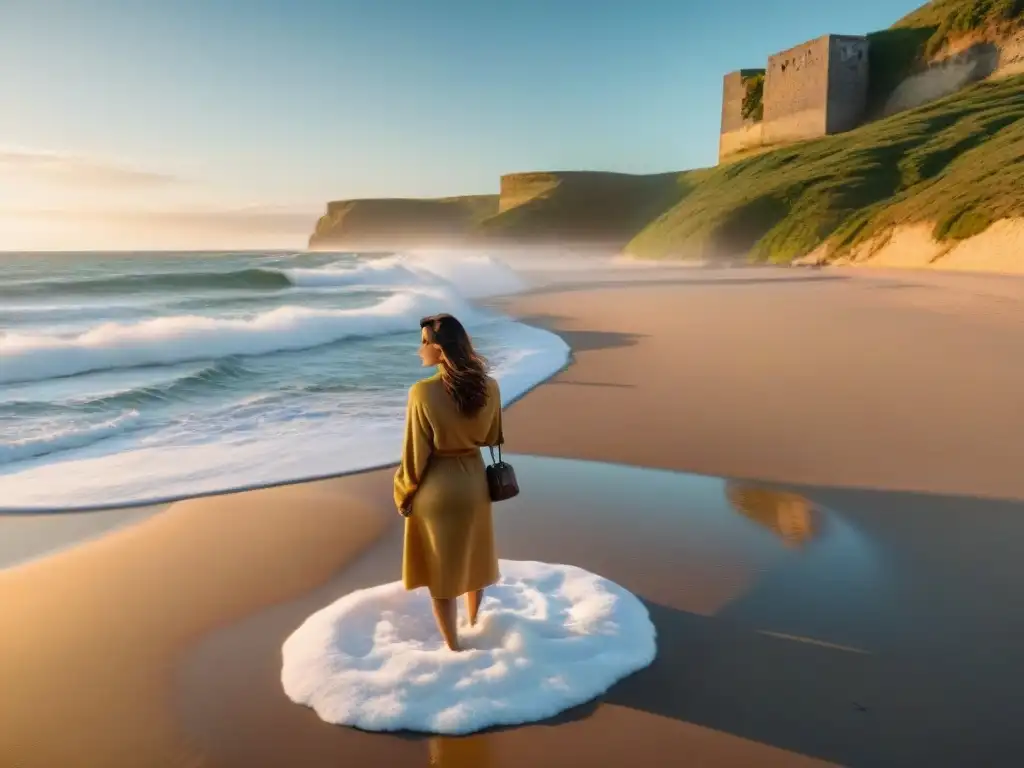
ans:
(582, 341)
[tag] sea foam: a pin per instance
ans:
(548, 637)
(220, 410)
(177, 339)
(65, 438)
(422, 284)
(275, 447)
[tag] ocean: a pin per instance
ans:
(136, 377)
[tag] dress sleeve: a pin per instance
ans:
(419, 440)
(494, 433)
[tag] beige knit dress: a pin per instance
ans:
(449, 536)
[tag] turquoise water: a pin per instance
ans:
(131, 377)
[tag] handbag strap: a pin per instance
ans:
(501, 439)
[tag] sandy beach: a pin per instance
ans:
(843, 599)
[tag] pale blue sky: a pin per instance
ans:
(141, 107)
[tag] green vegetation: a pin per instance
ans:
(593, 207)
(957, 163)
(360, 221)
(590, 206)
(965, 14)
(948, 20)
(753, 104)
(923, 34)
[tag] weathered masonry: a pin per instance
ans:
(814, 89)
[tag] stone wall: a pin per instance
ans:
(737, 133)
(813, 89)
(847, 83)
(796, 92)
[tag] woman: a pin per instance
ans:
(441, 487)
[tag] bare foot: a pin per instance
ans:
(473, 600)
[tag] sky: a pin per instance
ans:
(230, 123)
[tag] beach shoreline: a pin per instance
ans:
(115, 397)
(768, 375)
(548, 282)
(163, 501)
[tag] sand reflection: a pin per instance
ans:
(461, 751)
(788, 515)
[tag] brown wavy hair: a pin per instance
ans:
(463, 371)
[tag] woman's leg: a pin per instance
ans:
(473, 600)
(446, 615)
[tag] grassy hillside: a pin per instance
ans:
(396, 221)
(587, 206)
(949, 19)
(926, 33)
(548, 207)
(957, 162)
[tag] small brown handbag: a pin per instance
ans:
(501, 478)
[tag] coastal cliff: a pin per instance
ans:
(400, 222)
(580, 207)
(956, 163)
(939, 165)
(586, 208)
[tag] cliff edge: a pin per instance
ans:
(579, 207)
(400, 222)
(586, 208)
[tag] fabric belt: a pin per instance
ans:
(457, 454)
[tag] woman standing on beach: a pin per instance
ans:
(440, 486)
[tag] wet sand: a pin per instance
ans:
(28, 537)
(789, 628)
(810, 625)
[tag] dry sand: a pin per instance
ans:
(998, 250)
(27, 537)
(827, 378)
(158, 645)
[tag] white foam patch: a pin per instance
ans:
(549, 637)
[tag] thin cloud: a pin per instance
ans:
(265, 219)
(77, 170)
(60, 229)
